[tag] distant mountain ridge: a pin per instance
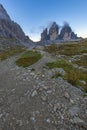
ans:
(11, 29)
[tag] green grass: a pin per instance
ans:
(68, 49)
(28, 58)
(60, 64)
(72, 75)
(10, 52)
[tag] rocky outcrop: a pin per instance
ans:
(11, 29)
(66, 33)
(53, 31)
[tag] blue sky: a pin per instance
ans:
(34, 15)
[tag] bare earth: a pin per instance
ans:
(31, 100)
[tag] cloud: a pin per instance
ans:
(65, 23)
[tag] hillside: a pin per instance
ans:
(44, 88)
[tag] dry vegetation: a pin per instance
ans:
(68, 49)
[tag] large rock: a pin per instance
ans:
(11, 29)
(53, 31)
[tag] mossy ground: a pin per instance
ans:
(28, 58)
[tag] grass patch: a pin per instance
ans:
(28, 58)
(73, 76)
(10, 52)
(68, 49)
(60, 64)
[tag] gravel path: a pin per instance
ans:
(31, 100)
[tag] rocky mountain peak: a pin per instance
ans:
(3, 13)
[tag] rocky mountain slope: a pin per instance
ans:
(11, 29)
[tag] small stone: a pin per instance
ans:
(49, 91)
(71, 101)
(32, 119)
(83, 82)
(62, 117)
(74, 110)
(66, 95)
(43, 97)
(34, 93)
(48, 120)
(1, 115)
(20, 122)
(32, 74)
(43, 76)
(45, 87)
(70, 61)
(78, 120)
(56, 106)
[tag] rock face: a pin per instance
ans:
(44, 35)
(66, 33)
(9, 28)
(53, 31)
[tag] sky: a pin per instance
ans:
(34, 15)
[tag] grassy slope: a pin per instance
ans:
(73, 75)
(69, 49)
